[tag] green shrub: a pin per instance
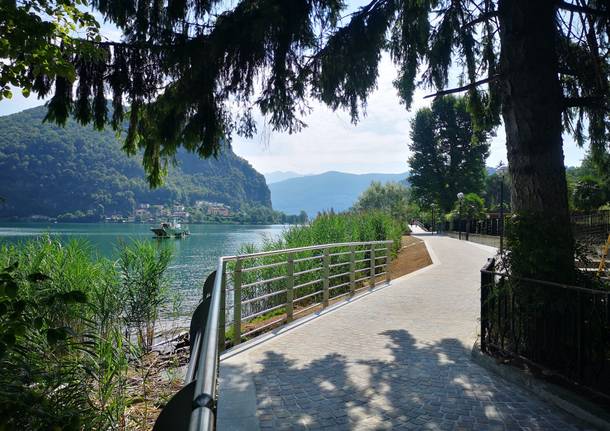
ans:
(60, 364)
(66, 321)
(145, 287)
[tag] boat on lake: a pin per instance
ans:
(170, 230)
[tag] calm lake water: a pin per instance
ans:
(194, 256)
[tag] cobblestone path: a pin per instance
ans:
(398, 358)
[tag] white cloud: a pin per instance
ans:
(378, 143)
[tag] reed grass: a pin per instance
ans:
(327, 228)
(65, 341)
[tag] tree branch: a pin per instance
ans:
(464, 87)
(595, 102)
(482, 18)
(583, 9)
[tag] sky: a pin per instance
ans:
(378, 143)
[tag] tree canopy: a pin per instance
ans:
(275, 56)
(471, 207)
(390, 197)
(193, 72)
(447, 153)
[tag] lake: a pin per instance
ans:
(194, 256)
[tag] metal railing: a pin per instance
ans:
(561, 330)
(258, 288)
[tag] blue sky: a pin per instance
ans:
(378, 143)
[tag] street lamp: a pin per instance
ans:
(432, 208)
(460, 197)
(501, 172)
(469, 220)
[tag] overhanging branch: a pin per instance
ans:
(595, 102)
(482, 18)
(583, 9)
(464, 87)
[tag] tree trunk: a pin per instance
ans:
(542, 244)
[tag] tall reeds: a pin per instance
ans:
(65, 341)
(326, 228)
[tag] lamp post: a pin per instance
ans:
(432, 208)
(469, 220)
(501, 171)
(460, 197)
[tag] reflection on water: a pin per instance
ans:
(194, 256)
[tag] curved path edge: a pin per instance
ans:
(398, 357)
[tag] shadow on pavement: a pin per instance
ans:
(424, 386)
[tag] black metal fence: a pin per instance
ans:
(591, 228)
(561, 330)
(491, 225)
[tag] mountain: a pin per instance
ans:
(50, 170)
(315, 193)
(277, 176)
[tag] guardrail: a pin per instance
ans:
(263, 290)
(560, 330)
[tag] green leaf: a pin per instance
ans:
(11, 289)
(37, 277)
(9, 338)
(19, 330)
(55, 335)
(13, 266)
(19, 306)
(74, 297)
(37, 322)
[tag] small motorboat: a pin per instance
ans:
(170, 230)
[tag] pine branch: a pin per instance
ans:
(583, 9)
(464, 87)
(482, 18)
(595, 102)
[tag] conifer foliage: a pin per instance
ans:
(194, 71)
(447, 153)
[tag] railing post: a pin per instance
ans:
(223, 306)
(486, 280)
(325, 280)
(387, 263)
(352, 269)
(372, 275)
(237, 303)
(290, 287)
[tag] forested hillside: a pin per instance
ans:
(49, 170)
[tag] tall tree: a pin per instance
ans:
(190, 71)
(390, 197)
(448, 153)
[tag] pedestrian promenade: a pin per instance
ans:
(397, 358)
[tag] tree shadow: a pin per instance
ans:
(416, 386)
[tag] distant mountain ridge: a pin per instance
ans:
(50, 170)
(316, 193)
(277, 176)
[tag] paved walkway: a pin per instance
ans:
(398, 358)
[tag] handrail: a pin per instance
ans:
(204, 398)
(209, 340)
(299, 249)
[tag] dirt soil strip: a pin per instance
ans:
(411, 257)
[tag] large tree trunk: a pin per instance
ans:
(542, 241)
